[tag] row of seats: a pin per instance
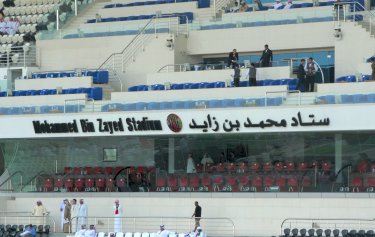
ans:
(346, 99)
(115, 33)
(7, 39)
(98, 77)
(81, 184)
(146, 3)
(265, 23)
(327, 233)
(292, 83)
(352, 78)
(182, 17)
(109, 170)
(95, 93)
(18, 3)
(41, 109)
(232, 183)
(144, 234)
(165, 105)
(31, 18)
(31, 10)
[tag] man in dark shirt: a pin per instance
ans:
(233, 59)
(267, 57)
(301, 75)
(197, 214)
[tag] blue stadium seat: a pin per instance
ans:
(274, 101)
(186, 86)
(141, 106)
(359, 98)
(157, 87)
(219, 84)
(215, 104)
(194, 86)
(142, 87)
(95, 93)
(276, 82)
(327, 99)
(188, 104)
(130, 107)
(346, 99)
(177, 86)
(366, 77)
(133, 88)
(267, 82)
(165, 105)
(3, 110)
(73, 108)
(178, 105)
(28, 110)
(228, 103)
(296, 5)
(203, 85)
(371, 98)
(260, 102)
(3, 94)
(239, 102)
(110, 6)
(307, 4)
(244, 83)
(260, 82)
(153, 106)
(14, 110)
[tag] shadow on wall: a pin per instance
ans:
(1, 161)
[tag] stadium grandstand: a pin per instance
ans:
(139, 101)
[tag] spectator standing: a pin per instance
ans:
(301, 75)
(98, 18)
(190, 165)
(251, 74)
(267, 57)
(197, 214)
(39, 212)
(118, 217)
(233, 59)
(373, 70)
(206, 159)
(82, 213)
(74, 214)
(236, 76)
(311, 70)
(67, 217)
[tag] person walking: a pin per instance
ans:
(197, 214)
(39, 212)
(118, 217)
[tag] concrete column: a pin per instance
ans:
(171, 155)
(338, 155)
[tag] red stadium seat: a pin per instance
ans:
(303, 167)
(121, 183)
(47, 185)
(290, 167)
(183, 183)
(268, 181)
(131, 170)
(69, 184)
(59, 184)
(256, 183)
(267, 167)
(254, 167)
(357, 184)
(231, 184)
(199, 168)
(281, 182)
(278, 166)
(292, 183)
(217, 183)
(370, 184)
(244, 183)
(326, 166)
(100, 184)
(363, 166)
(305, 182)
(206, 183)
(231, 167)
(315, 164)
(98, 170)
(220, 168)
(77, 170)
(117, 169)
(209, 168)
(172, 183)
(88, 170)
(89, 185)
(161, 182)
(109, 185)
(242, 168)
(194, 182)
(108, 170)
(68, 170)
(79, 184)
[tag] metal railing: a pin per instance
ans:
(18, 56)
(213, 226)
(33, 181)
(328, 223)
(284, 93)
(8, 181)
(13, 218)
(66, 102)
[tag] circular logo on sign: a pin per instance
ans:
(174, 123)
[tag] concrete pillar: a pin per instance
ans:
(171, 155)
(338, 155)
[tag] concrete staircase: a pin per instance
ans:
(368, 27)
(88, 13)
(306, 99)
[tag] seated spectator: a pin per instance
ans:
(29, 231)
(90, 232)
(289, 4)
(98, 18)
(206, 159)
(244, 7)
(277, 5)
(235, 8)
(81, 232)
(258, 6)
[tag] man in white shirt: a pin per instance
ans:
(90, 232)
(236, 8)
(74, 214)
(82, 213)
(206, 159)
(190, 165)
(277, 5)
(163, 232)
(118, 217)
(81, 232)
(289, 4)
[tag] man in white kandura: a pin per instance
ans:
(74, 214)
(81, 232)
(62, 209)
(82, 213)
(117, 209)
(162, 232)
(90, 232)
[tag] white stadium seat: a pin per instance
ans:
(172, 234)
(137, 234)
(15, 58)
(26, 47)
(101, 234)
(3, 39)
(128, 234)
(119, 234)
(153, 234)
(3, 48)
(145, 234)
(20, 38)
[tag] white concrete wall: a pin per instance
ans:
(254, 214)
(38, 100)
(174, 95)
(52, 83)
(364, 68)
(347, 87)
(355, 46)
(215, 75)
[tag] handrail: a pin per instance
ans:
(283, 91)
(19, 219)
(17, 172)
(34, 177)
(87, 99)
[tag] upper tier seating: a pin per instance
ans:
(201, 3)
(99, 77)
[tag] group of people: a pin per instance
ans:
(242, 6)
(265, 61)
(306, 75)
(9, 27)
